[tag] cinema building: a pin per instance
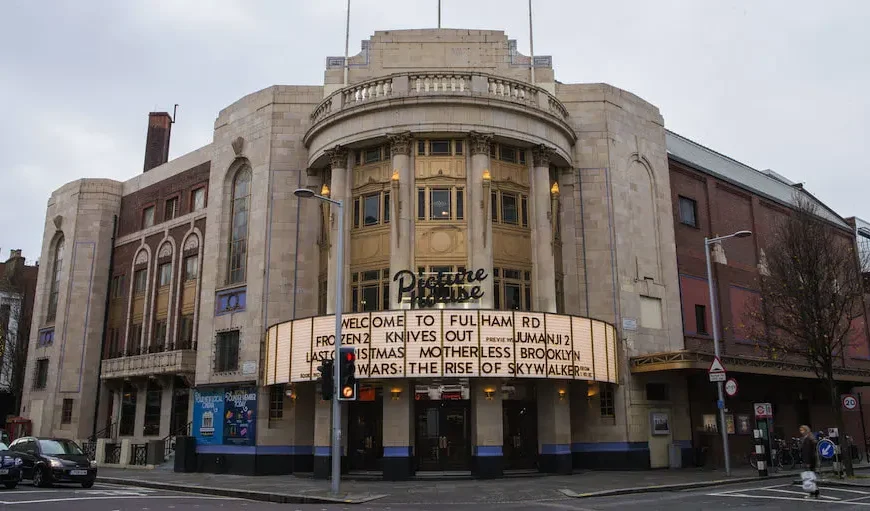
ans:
(509, 249)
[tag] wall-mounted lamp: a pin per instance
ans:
(324, 190)
(395, 176)
(484, 204)
(554, 190)
(489, 392)
(396, 393)
(554, 214)
(562, 394)
(396, 204)
(290, 392)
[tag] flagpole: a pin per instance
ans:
(531, 45)
(439, 13)
(347, 44)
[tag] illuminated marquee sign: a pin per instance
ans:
(447, 343)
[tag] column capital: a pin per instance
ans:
(480, 142)
(541, 155)
(400, 143)
(337, 157)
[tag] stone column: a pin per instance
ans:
(543, 262)
(401, 209)
(302, 415)
(398, 430)
(554, 427)
(323, 438)
(487, 428)
(339, 189)
(478, 211)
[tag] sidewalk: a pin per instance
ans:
(289, 488)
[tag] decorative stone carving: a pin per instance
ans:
(165, 251)
(480, 143)
(400, 143)
(141, 257)
(58, 221)
(192, 243)
(238, 145)
(541, 155)
(337, 157)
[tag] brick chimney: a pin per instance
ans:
(14, 265)
(157, 141)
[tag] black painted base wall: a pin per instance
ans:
(323, 466)
(398, 469)
(487, 467)
(636, 459)
(253, 464)
(555, 463)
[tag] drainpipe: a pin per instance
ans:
(105, 323)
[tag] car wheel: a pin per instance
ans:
(10, 484)
(88, 484)
(39, 478)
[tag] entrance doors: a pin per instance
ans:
(520, 427)
(443, 434)
(365, 434)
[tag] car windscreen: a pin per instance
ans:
(54, 447)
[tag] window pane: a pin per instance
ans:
(369, 298)
(373, 155)
(528, 298)
(198, 199)
(496, 299)
(458, 145)
(370, 275)
(385, 297)
(522, 155)
(508, 154)
(421, 147)
(512, 274)
(440, 204)
(421, 203)
(460, 204)
(439, 147)
(493, 200)
(701, 319)
(165, 274)
(191, 268)
(512, 296)
(148, 217)
(387, 207)
(509, 208)
(139, 282)
(354, 301)
(242, 184)
(356, 212)
(170, 209)
(372, 209)
(525, 211)
(687, 211)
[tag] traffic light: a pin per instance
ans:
(347, 375)
(326, 378)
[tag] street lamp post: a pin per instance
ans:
(304, 193)
(714, 315)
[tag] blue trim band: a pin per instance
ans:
(609, 446)
(320, 450)
(556, 449)
(487, 450)
(397, 452)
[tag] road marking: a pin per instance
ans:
(771, 497)
(66, 499)
(802, 493)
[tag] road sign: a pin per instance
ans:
(850, 402)
(716, 370)
(827, 449)
(731, 387)
(763, 410)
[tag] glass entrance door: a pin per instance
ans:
(520, 434)
(365, 435)
(443, 435)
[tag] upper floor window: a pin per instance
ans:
(54, 291)
(148, 217)
(170, 209)
(191, 268)
(117, 288)
(510, 208)
(373, 155)
(440, 203)
(197, 199)
(40, 379)
(506, 153)
(370, 290)
(140, 282)
(165, 274)
(371, 210)
(440, 148)
(227, 352)
(512, 289)
(239, 229)
(688, 211)
(607, 401)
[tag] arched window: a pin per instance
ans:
(239, 229)
(56, 267)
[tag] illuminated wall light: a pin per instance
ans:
(324, 190)
(562, 394)
(489, 392)
(396, 393)
(395, 176)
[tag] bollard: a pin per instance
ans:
(834, 436)
(761, 460)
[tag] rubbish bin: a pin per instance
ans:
(675, 454)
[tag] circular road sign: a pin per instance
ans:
(826, 449)
(849, 402)
(731, 387)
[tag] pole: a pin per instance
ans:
(439, 13)
(863, 428)
(339, 306)
(346, 48)
(531, 45)
(714, 314)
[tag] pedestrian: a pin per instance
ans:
(810, 461)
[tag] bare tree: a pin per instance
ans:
(810, 294)
(14, 328)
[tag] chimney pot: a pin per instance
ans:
(157, 140)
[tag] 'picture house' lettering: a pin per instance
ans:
(442, 288)
(447, 343)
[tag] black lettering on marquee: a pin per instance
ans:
(443, 288)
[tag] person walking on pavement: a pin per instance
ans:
(810, 461)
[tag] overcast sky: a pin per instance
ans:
(775, 84)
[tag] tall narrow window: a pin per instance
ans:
(128, 410)
(227, 352)
(185, 335)
(460, 204)
(439, 202)
(165, 274)
(56, 268)
(607, 401)
(153, 398)
(372, 211)
(66, 412)
(386, 207)
(197, 199)
(40, 379)
(688, 212)
(239, 229)
(148, 217)
(139, 282)
(509, 208)
(191, 268)
(170, 209)
(701, 319)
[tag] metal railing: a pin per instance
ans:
(113, 454)
(134, 351)
(90, 448)
(169, 440)
(107, 432)
(138, 454)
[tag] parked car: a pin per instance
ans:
(10, 467)
(54, 460)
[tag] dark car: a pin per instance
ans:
(54, 460)
(10, 467)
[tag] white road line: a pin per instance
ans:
(45, 501)
(801, 493)
(834, 488)
(771, 497)
(726, 492)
